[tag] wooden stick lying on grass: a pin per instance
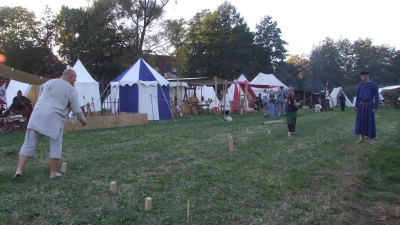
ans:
(272, 122)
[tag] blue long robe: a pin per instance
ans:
(367, 98)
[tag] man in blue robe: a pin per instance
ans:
(367, 102)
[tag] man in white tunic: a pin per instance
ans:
(57, 98)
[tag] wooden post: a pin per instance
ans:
(113, 187)
(269, 131)
(64, 167)
(230, 144)
(147, 204)
(188, 210)
(41, 157)
(288, 134)
(247, 130)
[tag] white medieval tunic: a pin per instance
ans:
(56, 99)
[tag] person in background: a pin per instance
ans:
(269, 109)
(289, 96)
(57, 98)
(272, 96)
(258, 101)
(367, 103)
(19, 102)
(342, 100)
(265, 101)
(281, 99)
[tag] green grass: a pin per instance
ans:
(318, 176)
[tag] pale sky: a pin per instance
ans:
(303, 23)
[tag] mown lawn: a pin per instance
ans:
(318, 176)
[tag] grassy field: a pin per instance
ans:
(318, 176)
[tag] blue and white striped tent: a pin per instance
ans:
(141, 89)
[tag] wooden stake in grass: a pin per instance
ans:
(288, 134)
(147, 204)
(64, 167)
(188, 210)
(41, 157)
(269, 131)
(113, 187)
(247, 130)
(230, 144)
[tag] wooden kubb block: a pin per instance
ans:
(113, 187)
(64, 167)
(147, 204)
(230, 143)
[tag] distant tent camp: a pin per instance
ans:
(141, 89)
(266, 79)
(87, 87)
(334, 98)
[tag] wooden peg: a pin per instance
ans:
(269, 131)
(289, 134)
(64, 167)
(113, 187)
(230, 144)
(188, 209)
(147, 204)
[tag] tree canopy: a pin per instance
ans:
(109, 35)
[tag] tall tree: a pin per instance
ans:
(23, 43)
(297, 72)
(219, 44)
(269, 37)
(175, 32)
(325, 64)
(143, 15)
(95, 37)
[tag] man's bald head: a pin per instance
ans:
(70, 76)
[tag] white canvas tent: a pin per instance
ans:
(389, 88)
(87, 87)
(208, 93)
(235, 87)
(28, 90)
(177, 91)
(334, 98)
(267, 79)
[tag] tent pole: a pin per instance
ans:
(215, 96)
(225, 84)
(245, 97)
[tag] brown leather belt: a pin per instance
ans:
(362, 103)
